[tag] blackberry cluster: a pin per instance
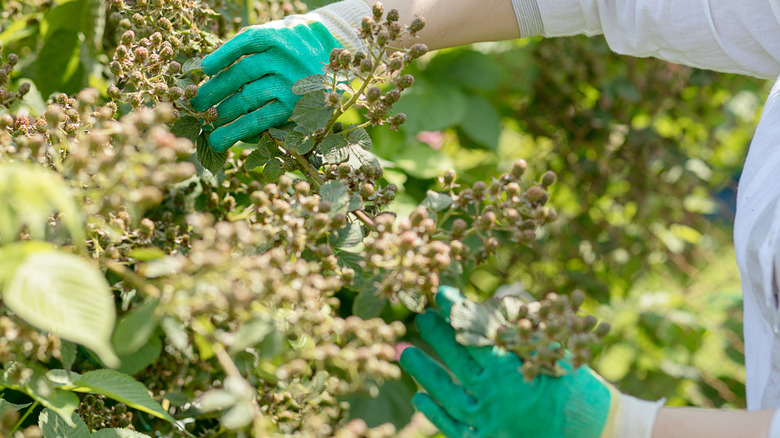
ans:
(542, 333)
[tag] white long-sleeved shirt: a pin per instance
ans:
(735, 36)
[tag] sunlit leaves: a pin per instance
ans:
(60, 293)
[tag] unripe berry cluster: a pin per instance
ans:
(99, 413)
(8, 97)
(380, 63)
(542, 333)
(155, 37)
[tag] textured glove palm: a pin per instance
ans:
(492, 399)
(254, 94)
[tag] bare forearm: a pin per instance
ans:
(711, 423)
(453, 23)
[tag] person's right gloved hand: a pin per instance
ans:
(255, 71)
(492, 399)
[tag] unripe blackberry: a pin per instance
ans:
(165, 23)
(548, 179)
(124, 24)
(175, 93)
(417, 24)
(191, 91)
(459, 227)
(392, 96)
(519, 168)
(417, 51)
(602, 329)
(392, 15)
(338, 127)
(166, 54)
(139, 20)
(344, 170)
(367, 190)
(449, 177)
(121, 52)
(141, 54)
(24, 88)
(373, 94)
(395, 64)
(114, 92)
(115, 68)
(211, 114)
(534, 194)
(367, 25)
(127, 38)
(174, 67)
(405, 81)
(160, 89)
(13, 58)
(378, 9)
(397, 120)
(345, 58)
(366, 65)
(382, 37)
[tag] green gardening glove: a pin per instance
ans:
(492, 399)
(255, 71)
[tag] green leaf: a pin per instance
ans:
(134, 329)
(58, 67)
(6, 406)
(432, 108)
(368, 304)
(355, 202)
(437, 201)
(334, 149)
(191, 64)
(310, 84)
(311, 113)
(53, 426)
(186, 127)
(117, 433)
(120, 387)
(349, 236)
(337, 194)
(252, 333)
(261, 155)
(68, 354)
(299, 142)
(40, 388)
(213, 161)
(145, 356)
(392, 404)
(412, 301)
(482, 122)
(474, 323)
(62, 294)
(273, 170)
(31, 194)
(359, 138)
(280, 134)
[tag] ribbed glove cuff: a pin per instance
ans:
(636, 417)
(529, 19)
(341, 19)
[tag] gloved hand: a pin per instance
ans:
(257, 68)
(492, 399)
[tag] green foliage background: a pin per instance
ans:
(641, 148)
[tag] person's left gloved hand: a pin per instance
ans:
(492, 399)
(256, 69)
